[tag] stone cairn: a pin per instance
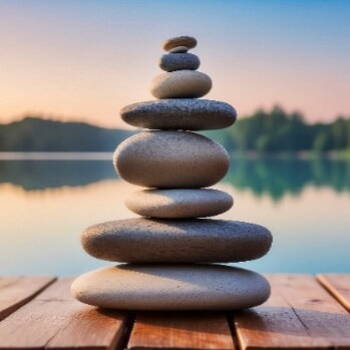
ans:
(168, 251)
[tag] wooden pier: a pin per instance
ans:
(303, 312)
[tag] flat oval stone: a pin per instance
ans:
(180, 113)
(172, 62)
(179, 203)
(183, 40)
(179, 49)
(181, 83)
(171, 287)
(143, 240)
(171, 159)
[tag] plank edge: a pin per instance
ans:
(331, 289)
(13, 308)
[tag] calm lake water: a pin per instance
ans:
(45, 204)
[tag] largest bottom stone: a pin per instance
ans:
(171, 287)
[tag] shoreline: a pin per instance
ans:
(305, 155)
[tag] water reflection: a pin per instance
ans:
(43, 174)
(277, 177)
(263, 176)
(46, 205)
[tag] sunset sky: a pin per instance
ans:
(84, 60)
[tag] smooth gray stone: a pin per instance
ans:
(171, 159)
(179, 49)
(183, 40)
(143, 240)
(179, 203)
(180, 113)
(181, 84)
(172, 62)
(171, 287)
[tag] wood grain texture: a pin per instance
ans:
(302, 313)
(16, 291)
(182, 330)
(338, 285)
(54, 320)
(299, 314)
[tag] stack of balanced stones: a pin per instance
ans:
(168, 252)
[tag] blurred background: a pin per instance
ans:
(67, 67)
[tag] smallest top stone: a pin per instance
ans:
(186, 41)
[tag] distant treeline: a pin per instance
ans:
(35, 134)
(264, 131)
(279, 131)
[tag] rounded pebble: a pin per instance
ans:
(143, 240)
(181, 83)
(171, 159)
(187, 41)
(171, 287)
(179, 49)
(179, 203)
(172, 62)
(180, 113)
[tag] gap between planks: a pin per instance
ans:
(338, 285)
(17, 291)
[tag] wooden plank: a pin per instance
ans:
(274, 325)
(299, 314)
(181, 330)
(54, 320)
(16, 291)
(338, 285)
